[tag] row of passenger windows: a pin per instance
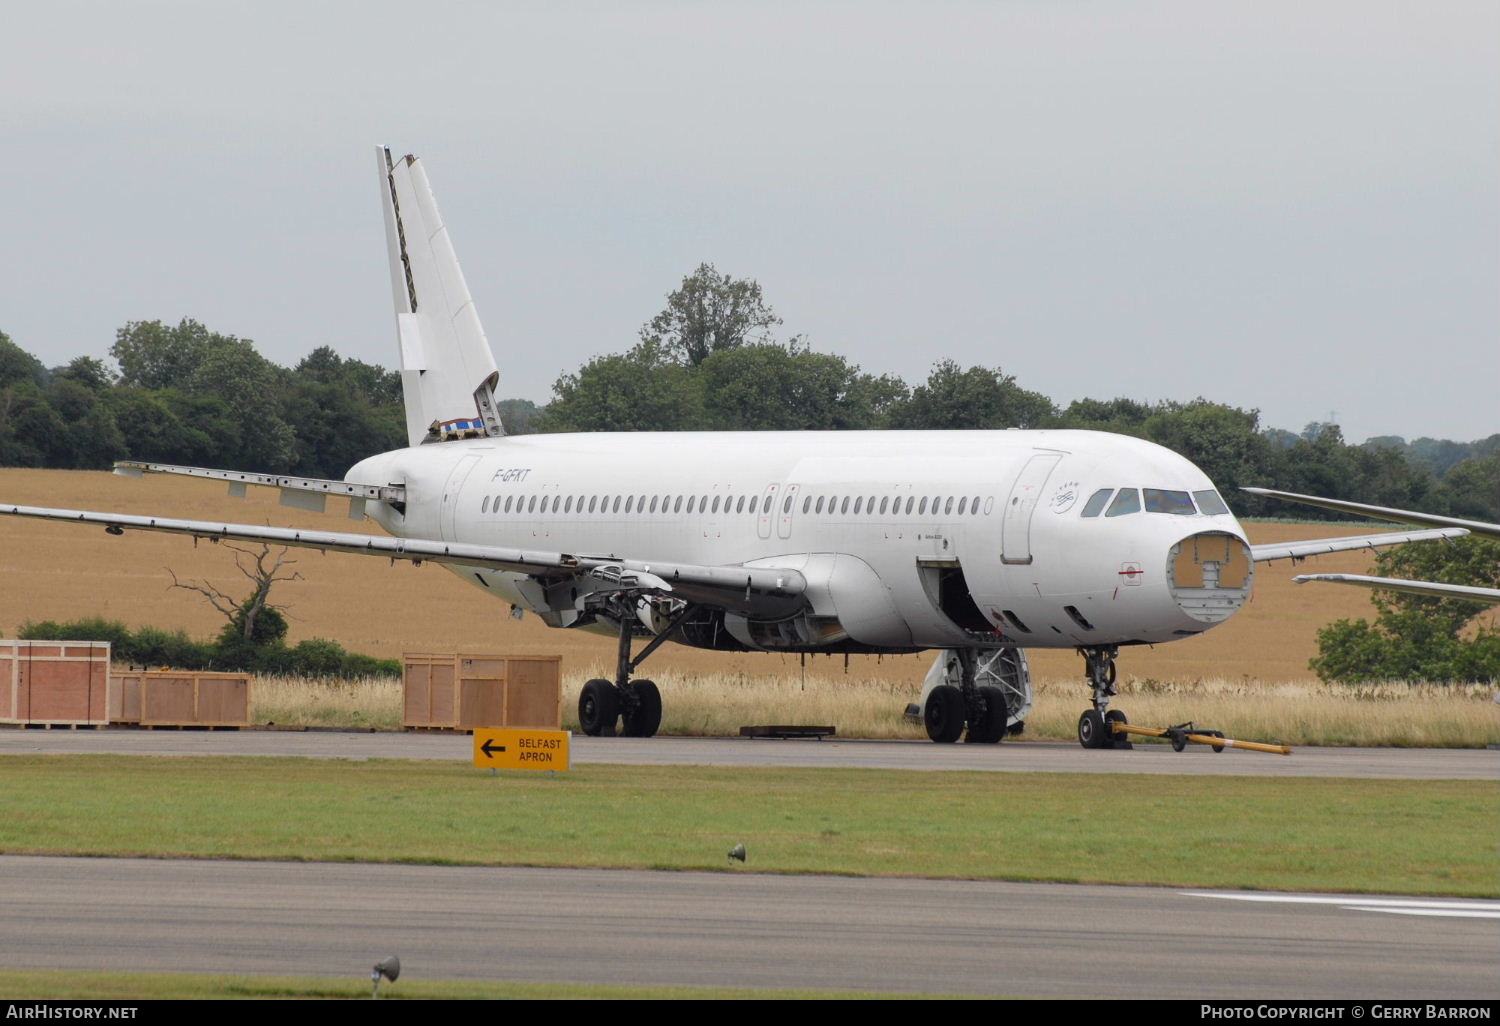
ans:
(841, 505)
(1157, 500)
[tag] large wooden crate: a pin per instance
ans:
(54, 682)
(465, 692)
(180, 698)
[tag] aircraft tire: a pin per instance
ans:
(645, 718)
(991, 727)
(944, 714)
(1113, 740)
(598, 708)
(1091, 732)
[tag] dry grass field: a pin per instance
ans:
(58, 571)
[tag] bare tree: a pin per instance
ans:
(263, 568)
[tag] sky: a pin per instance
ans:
(1289, 207)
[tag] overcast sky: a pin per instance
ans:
(1293, 207)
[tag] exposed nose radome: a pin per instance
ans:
(1210, 575)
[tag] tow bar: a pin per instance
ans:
(1181, 734)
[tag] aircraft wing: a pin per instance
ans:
(1322, 546)
(1395, 516)
(1490, 596)
(745, 589)
(309, 493)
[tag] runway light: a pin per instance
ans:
(737, 853)
(390, 968)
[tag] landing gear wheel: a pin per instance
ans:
(944, 714)
(1091, 730)
(1113, 739)
(599, 708)
(989, 728)
(644, 719)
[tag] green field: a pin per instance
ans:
(1411, 837)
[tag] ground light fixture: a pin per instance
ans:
(390, 968)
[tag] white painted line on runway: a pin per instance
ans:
(1451, 912)
(1399, 906)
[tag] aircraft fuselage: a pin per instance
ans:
(908, 540)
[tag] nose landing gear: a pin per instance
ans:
(1096, 725)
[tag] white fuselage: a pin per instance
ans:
(907, 539)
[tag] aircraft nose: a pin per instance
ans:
(1209, 575)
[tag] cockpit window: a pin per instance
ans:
(1210, 503)
(1096, 502)
(1128, 501)
(1159, 500)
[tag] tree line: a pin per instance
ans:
(710, 361)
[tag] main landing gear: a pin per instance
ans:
(950, 707)
(1094, 726)
(633, 707)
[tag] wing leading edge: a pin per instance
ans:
(1490, 596)
(755, 590)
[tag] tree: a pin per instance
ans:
(980, 397)
(1418, 637)
(17, 365)
(634, 391)
(791, 388)
(253, 621)
(710, 312)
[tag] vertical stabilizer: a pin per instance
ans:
(448, 374)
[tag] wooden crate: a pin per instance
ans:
(180, 698)
(464, 692)
(55, 682)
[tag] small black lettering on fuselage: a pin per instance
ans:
(509, 474)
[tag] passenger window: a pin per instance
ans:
(593, 502)
(692, 501)
(786, 505)
(629, 502)
(922, 507)
(766, 506)
(531, 504)
(974, 507)
(963, 504)
(1159, 500)
(716, 504)
(819, 507)
(1210, 503)
(616, 507)
(909, 501)
(806, 504)
(858, 502)
(1096, 502)
(844, 506)
(1128, 501)
(948, 507)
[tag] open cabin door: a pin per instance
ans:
(1015, 536)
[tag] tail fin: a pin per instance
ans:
(448, 374)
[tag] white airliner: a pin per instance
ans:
(977, 543)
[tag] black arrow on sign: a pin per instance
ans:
(489, 748)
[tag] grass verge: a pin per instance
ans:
(43, 985)
(718, 704)
(1412, 837)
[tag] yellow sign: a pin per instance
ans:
(522, 749)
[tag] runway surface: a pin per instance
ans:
(739, 929)
(1009, 757)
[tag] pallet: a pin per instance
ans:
(786, 732)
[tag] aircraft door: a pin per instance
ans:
(766, 511)
(451, 490)
(1015, 537)
(786, 511)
